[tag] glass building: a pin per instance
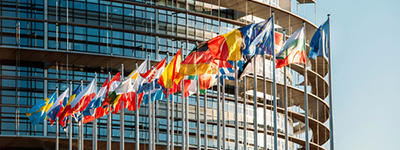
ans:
(46, 44)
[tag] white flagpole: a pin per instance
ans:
(94, 130)
(57, 124)
(70, 119)
(149, 111)
(205, 120)
(286, 101)
(168, 113)
(255, 102)
(94, 140)
(137, 138)
(306, 102)
(223, 116)
(236, 110)
(109, 119)
(80, 127)
(122, 118)
(187, 113)
(198, 112)
(57, 127)
(330, 85)
(218, 111)
(274, 84)
(244, 115)
(198, 115)
(183, 108)
(265, 101)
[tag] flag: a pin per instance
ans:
(226, 47)
(80, 102)
(293, 51)
(110, 93)
(257, 38)
(37, 113)
(171, 73)
(57, 106)
(248, 68)
(126, 92)
(320, 41)
(152, 76)
(89, 112)
(62, 119)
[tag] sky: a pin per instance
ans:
(366, 71)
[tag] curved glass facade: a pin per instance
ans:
(133, 30)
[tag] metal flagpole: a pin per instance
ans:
(122, 118)
(70, 119)
(330, 84)
(218, 112)
(236, 110)
(265, 101)
(109, 117)
(137, 138)
(94, 131)
(80, 126)
(244, 115)
(223, 116)
(149, 111)
(198, 110)
(286, 101)
(57, 127)
(198, 115)
(57, 124)
(255, 102)
(306, 101)
(205, 120)
(187, 110)
(94, 140)
(183, 107)
(168, 115)
(274, 84)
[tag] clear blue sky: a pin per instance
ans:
(366, 72)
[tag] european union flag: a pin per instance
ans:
(37, 113)
(257, 38)
(320, 41)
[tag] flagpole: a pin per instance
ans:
(183, 112)
(255, 102)
(168, 115)
(274, 84)
(306, 101)
(57, 127)
(286, 101)
(137, 138)
(205, 120)
(149, 111)
(236, 110)
(198, 110)
(122, 117)
(94, 140)
(265, 100)
(109, 119)
(218, 111)
(330, 85)
(244, 115)
(94, 128)
(223, 116)
(80, 126)
(70, 119)
(198, 115)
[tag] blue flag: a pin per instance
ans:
(37, 114)
(320, 42)
(257, 38)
